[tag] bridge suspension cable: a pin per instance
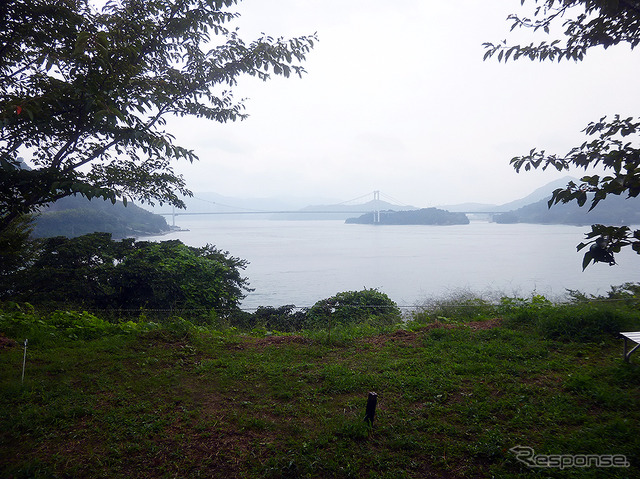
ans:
(368, 195)
(230, 206)
(394, 200)
(374, 204)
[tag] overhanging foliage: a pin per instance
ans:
(85, 94)
(614, 145)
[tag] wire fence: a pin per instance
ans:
(472, 303)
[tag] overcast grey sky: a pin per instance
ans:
(397, 98)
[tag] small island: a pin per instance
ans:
(423, 216)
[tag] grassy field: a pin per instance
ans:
(454, 398)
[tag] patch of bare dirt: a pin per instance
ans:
(401, 336)
(271, 341)
(6, 343)
(488, 324)
(411, 338)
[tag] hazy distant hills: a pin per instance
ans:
(529, 209)
(207, 202)
(75, 216)
(331, 208)
(288, 207)
(533, 208)
(544, 192)
(340, 211)
(614, 210)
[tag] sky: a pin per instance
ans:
(397, 98)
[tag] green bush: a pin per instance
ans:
(284, 318)
(267, 318)
(585, 322)
(18, 321)
(627, 293)
(583, 319)
(21, 321)
(75, 325)
(353, 307)
(524, 311)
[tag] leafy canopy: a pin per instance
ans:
(85, 94)
(95, 272)
(354, 307)
(613, 144)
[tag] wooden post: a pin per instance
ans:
(372, 402)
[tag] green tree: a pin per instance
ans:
(16, 250)
(612, 145)
(85, 94)
(95, 272)
(64, 271)
(171, 275)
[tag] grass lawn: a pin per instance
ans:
(453, 399)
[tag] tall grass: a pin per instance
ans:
(579, 318)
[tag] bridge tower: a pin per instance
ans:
(376, 206)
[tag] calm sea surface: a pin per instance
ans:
(301, 262)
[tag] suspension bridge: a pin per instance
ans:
(371, 202)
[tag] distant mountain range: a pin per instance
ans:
(327, 208)
(206, 202)
(542, 193)
(614, 210)
(341, 211)
(534, 208)
(288, 208)
(76, 216)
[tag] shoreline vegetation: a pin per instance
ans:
(461, 385)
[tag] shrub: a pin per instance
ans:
(628, 293)
(20, 321)
(590, 318)
(583, 319)
(284, 318)
(584, 322)
(524, 311)
(354, 307)
(75, 325)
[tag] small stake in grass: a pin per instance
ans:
(372, 401)
(24, 359)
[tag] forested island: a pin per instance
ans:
(423, 216)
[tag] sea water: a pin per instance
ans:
(300, 262)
